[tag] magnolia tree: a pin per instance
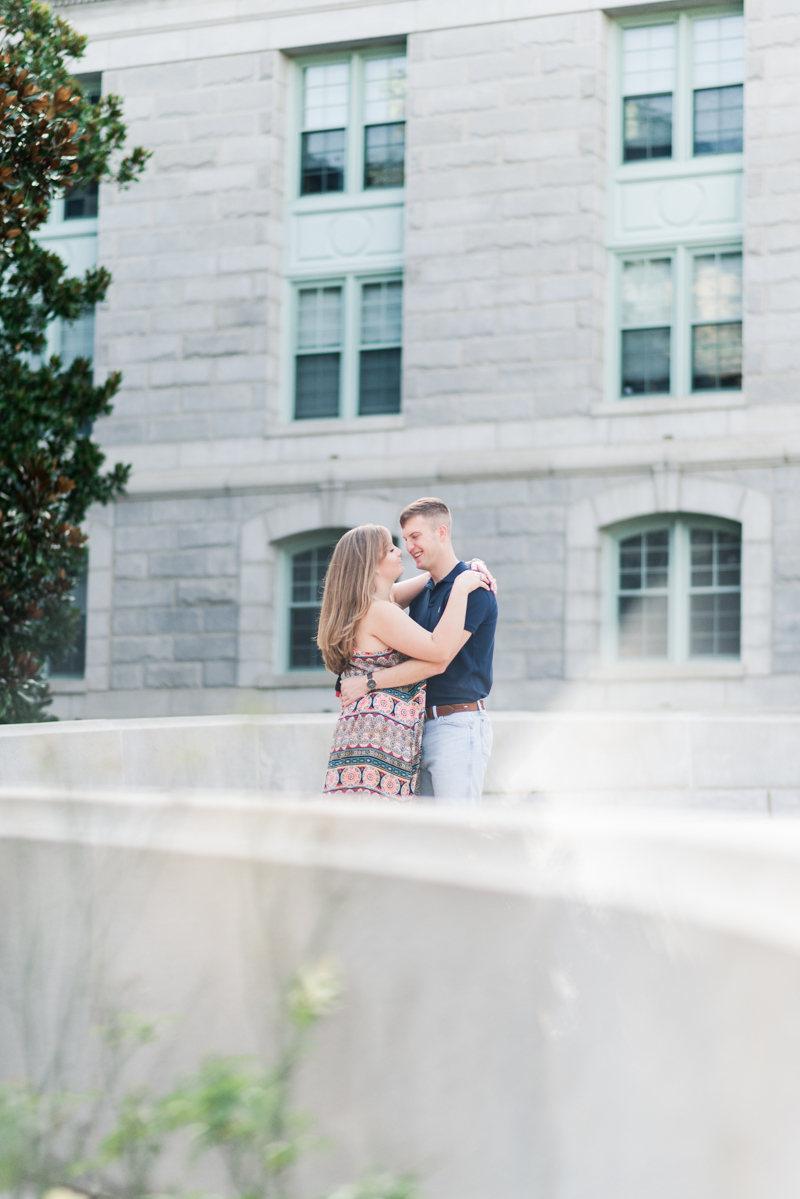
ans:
(52, 140)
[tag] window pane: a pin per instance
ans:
(630, 564)
(716, 558)
(384, 90)
(718, 51)
(381, 312)
(379, 382)
(718, 120)
(322, 162)
(308, 580)
(702, 558)
(715, 624)
(77, 338)
(729, 559)
(647, 125)
(643, 617)
(717, 286)
(303, 650)
(647, 291)
(717, 357)
(648, 59)
(643, 626)
(325, 95)
(644, 561)
(316, 387)
(384, 155)
(302, 577)
(319, 317)
(81, 203)
(645, 362)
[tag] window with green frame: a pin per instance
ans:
(681, 84)
(307, 563)
(674, 590)
(72, 665)
(348, 347)
(680, 321)
(352, 123)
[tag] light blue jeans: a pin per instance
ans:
(455, 750)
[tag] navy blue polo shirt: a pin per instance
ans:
(469, 675)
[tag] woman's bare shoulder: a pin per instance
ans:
(380, 608)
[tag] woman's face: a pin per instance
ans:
(391, 564)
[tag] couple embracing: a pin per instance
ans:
(414, 660)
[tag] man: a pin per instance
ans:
(458, 733)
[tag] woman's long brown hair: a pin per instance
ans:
(349, 589)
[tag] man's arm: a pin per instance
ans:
(412, 671)
(408, 589)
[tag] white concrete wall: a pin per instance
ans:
(598, 1006)
(673, 759)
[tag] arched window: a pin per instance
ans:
(307, 563)
(674, 589)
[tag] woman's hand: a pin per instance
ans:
(471, 580)
(479, 565)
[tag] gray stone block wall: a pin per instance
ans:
(505, 220)
(195, 248)
(176, 594)
(772, 213)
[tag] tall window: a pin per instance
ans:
(348, 348)
(72, 665)
(379, 357)
(71, 232)
(319, 352)
(384, 122)
(353, 124)
(326, 103)
(307, 578)
(81, 203)
(678, 296)
(648, 81)
(77, 338)
(707, 55)
(646, 325)
(680, 322)
(676, 590)
(718, 90)
(717, 321)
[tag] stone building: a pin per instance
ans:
(494, 252)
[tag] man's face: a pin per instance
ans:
(425, 541)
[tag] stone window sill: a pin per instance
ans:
(317, 428)
(65, 686)
(305, 678)
(708, 669)
(661, 404)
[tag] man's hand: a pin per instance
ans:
(481, 567)
(353, 688)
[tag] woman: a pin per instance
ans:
(362, 628)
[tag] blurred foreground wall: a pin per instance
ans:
(537, 1007)
(744, 760)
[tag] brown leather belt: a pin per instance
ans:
(477, 705)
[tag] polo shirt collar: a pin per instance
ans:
(458, 569)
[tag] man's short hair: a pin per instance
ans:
(435, 511)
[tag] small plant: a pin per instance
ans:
(234, 1106)
(379, 1186)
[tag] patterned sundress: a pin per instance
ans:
(378, 739)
